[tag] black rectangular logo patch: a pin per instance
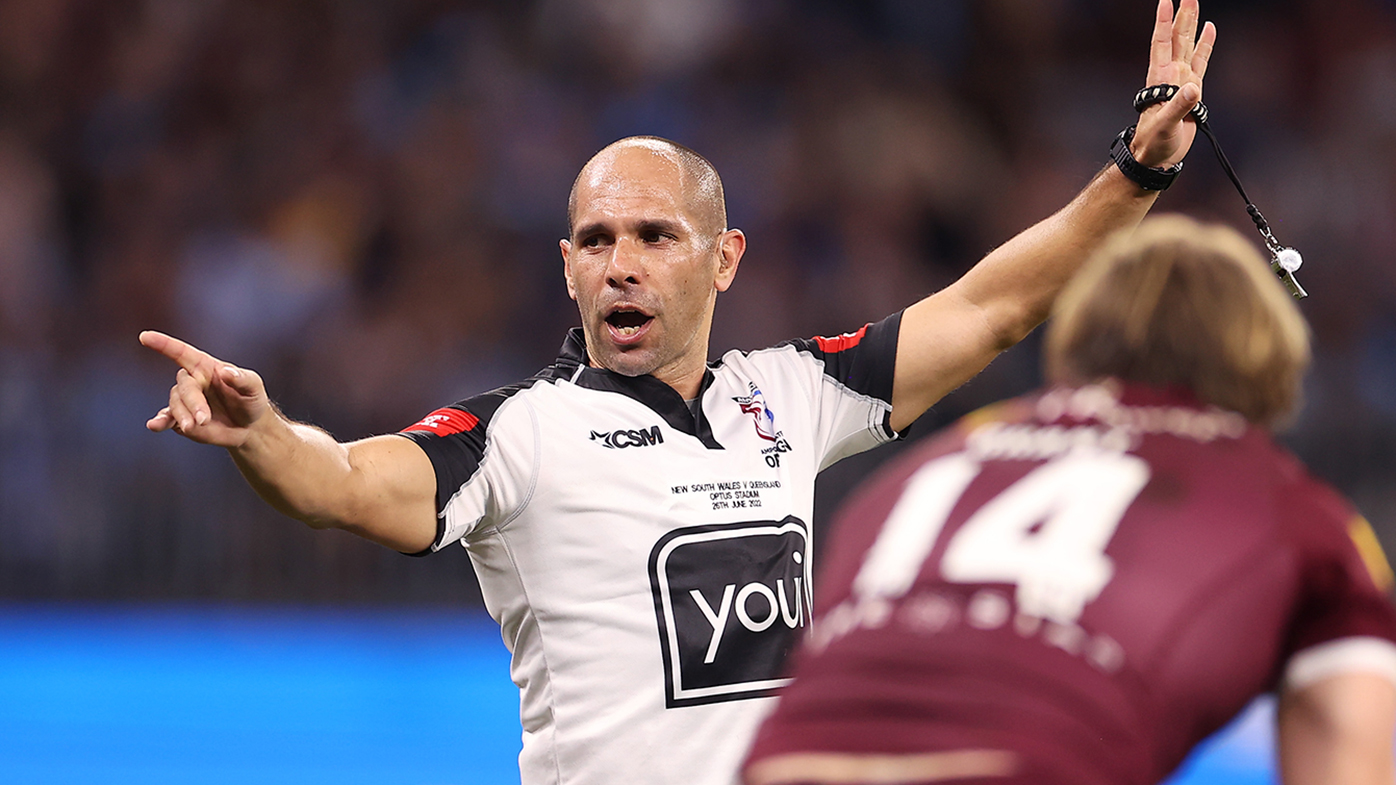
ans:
(729, 599)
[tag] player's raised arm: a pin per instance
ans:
(1338, 730)
(382, 488)
(948, 337)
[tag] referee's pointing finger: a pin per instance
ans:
(188, 357)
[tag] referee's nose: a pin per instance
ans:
(625, 267)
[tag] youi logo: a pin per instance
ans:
(728, 599)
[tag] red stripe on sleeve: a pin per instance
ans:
(443, 422)
(842, 342)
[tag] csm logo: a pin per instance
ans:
(728, 599)
(638, 437)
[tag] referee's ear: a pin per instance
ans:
(566, 246)
(731, 244)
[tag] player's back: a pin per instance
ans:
(1090, 582)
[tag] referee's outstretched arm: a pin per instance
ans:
(950, 336)
(382, 488)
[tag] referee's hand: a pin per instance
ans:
(211, 402)
(1178, 55)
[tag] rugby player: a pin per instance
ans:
(1078, 586)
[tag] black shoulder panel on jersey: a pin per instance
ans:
(455, 455)
(863, 361)
(458, 445)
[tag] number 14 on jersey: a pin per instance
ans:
(1046, 533)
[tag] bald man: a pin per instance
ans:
(639, 518)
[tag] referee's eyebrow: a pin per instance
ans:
(595, 227)
(663, 225)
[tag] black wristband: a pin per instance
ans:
(1149, 178)
(1162, 93)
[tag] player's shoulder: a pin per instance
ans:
(1012, 411)
(1303, 494)
(1319, 518)
(956, 437)
(995, 418)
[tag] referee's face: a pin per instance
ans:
(645, 268)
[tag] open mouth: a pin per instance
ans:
(626, 323)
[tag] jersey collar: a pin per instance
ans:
(658, 396)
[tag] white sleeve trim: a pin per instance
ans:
(1345, 655)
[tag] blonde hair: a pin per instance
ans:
(1179, 302)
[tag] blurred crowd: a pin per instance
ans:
(361, 199)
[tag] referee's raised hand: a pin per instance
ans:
(1178, 55)
(212, 401)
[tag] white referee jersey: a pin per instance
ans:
(649, 567)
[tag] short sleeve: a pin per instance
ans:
(482, 461)
(854, 410)
(1345, 620)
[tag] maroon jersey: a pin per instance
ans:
(1095, 579)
